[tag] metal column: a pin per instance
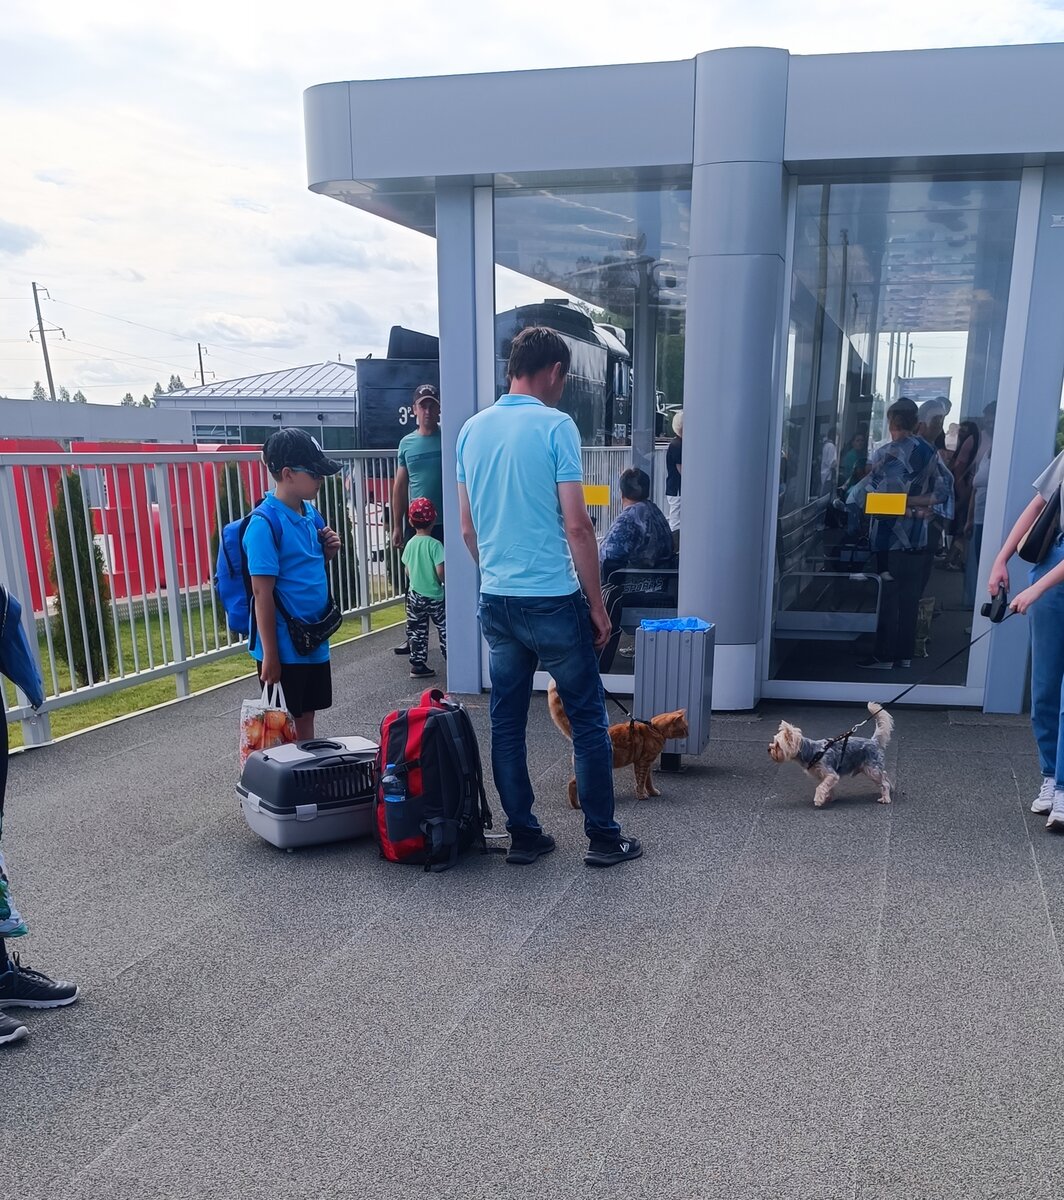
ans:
(466, 286)
(735, 280)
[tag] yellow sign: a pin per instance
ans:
(597, 495)
(886, 504)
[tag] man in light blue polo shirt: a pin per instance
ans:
(524, 520)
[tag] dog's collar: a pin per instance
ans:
(809, 752)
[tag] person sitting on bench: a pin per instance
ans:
(640, 538)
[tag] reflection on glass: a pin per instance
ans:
(607, 268)
(899, 290)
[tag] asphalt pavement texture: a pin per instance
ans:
(775, 1001)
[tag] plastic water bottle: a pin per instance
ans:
(393, 789)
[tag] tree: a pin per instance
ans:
(38, 391)
(86, 652)
(63, 396)
(128, 401)
(333, 504)
(147, 401)
(175, 384)
(80, 397)
(158, 389)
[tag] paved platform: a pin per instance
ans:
(774, 1002)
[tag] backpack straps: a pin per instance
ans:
(271, 517)
(441, 842)
(456, 746)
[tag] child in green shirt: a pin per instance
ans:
(423, 559)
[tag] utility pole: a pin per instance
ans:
(44, 344)
(202, 377)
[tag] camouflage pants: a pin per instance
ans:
(419, 610)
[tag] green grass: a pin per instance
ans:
(145, 695)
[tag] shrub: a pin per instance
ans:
(83, 550)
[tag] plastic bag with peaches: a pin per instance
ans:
(265, 723)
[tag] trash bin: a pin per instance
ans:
(674, 669)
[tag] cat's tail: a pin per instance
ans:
(884, 723)
(557, 711)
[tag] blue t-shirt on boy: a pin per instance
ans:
(299, 567)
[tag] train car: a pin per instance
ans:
(598, 393)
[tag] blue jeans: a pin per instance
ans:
(1047, 669)
(522, 632)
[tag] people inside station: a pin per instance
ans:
(640, 539)
(909, 465)
(674, 473)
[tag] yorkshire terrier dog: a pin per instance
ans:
(828, 761)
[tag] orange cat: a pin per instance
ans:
(638, 742)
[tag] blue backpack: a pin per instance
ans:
(232, 579)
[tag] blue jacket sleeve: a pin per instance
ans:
(16, 659)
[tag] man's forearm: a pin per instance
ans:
(584, 549)
(469, 536)
(399, 501)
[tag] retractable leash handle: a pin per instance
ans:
(997, 610)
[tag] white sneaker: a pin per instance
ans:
(1056, 815)
(1043, 802)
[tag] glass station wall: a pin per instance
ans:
(607, 267)
(899, 289)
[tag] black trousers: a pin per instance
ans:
(899, 604)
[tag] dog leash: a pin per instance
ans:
(631, 720)
(845, 737)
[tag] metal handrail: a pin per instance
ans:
(152, 515)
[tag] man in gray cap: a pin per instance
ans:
(419, 474)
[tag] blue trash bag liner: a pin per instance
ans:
(688, 623)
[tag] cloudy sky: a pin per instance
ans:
(153, 162)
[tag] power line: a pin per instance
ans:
(129, 354)
(167, 333)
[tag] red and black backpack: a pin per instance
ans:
(440, 808)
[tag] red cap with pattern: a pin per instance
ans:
(421, 513)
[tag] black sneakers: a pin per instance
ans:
(21, 987)
(610, 853)
(10, 1029)
(422, 672)
(525, 848)
(403, 649)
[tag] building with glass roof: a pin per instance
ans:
(789, 243)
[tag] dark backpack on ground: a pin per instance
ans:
(431, 804)
(232, 579)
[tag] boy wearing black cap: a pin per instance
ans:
(292, 569)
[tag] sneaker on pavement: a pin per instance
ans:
(875, 664)
(1056, 813)
(10, 1029)
(904, 663)
(608, 854)
(421, 672)
(525, 848)
(1043, 802)
(403, 649)
(21, 987)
